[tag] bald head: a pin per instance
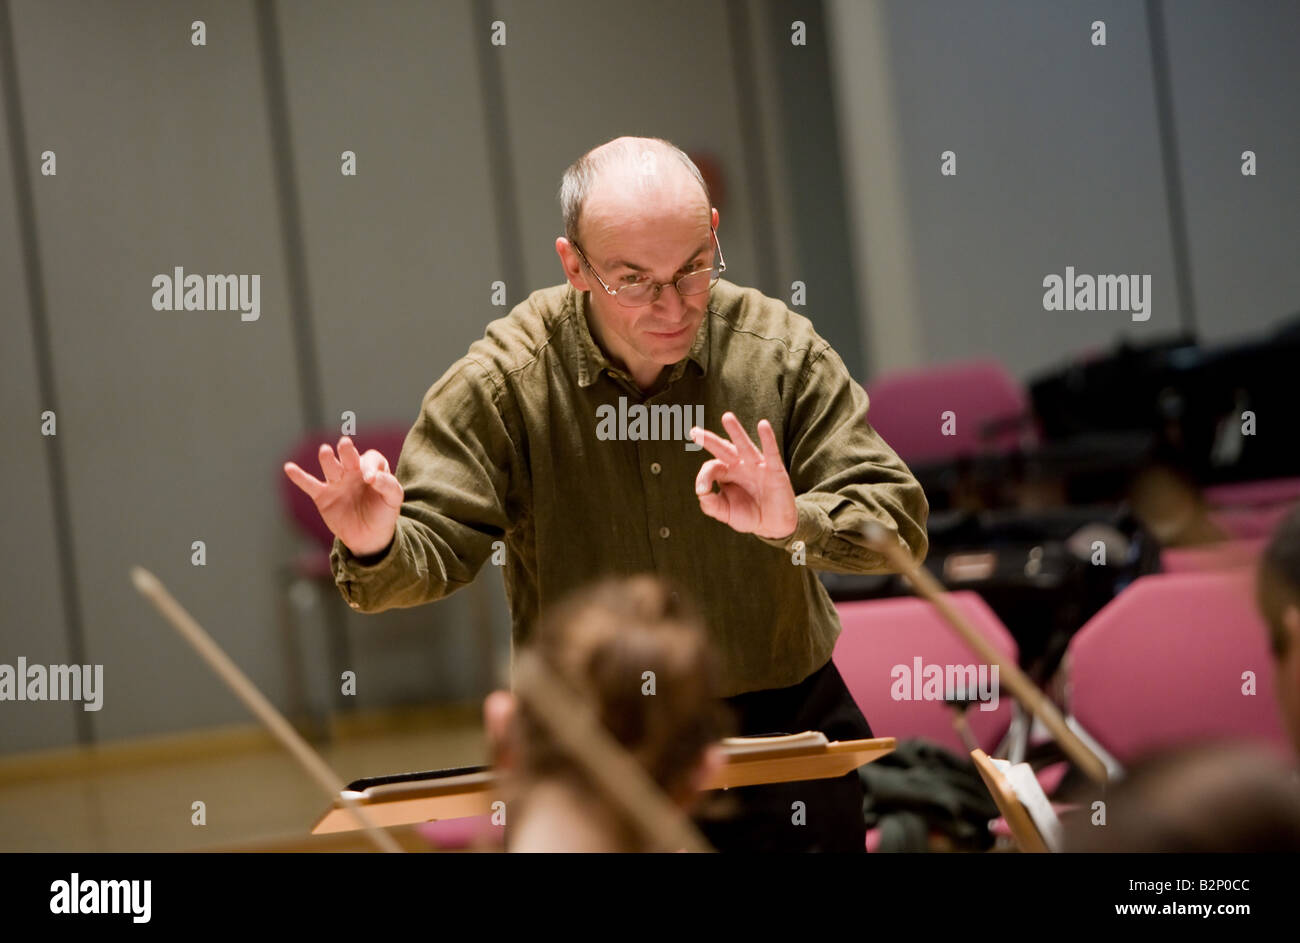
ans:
(631, 181)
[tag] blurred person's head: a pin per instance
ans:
(1278, 596)
(1223, 798)
(599, 643)
(638, 209)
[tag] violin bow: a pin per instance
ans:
(890, 546)
(152, 589)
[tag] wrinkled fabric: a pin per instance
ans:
(505, 461)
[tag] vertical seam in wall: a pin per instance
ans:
(36, 302)
(500, 155)
(751, 142)
(290, 212)
(766, 26)
(505, 214)
(1163, 82)
(882, 250)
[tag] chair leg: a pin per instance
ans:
(307, 722)
(1016, 741)
(340, 652)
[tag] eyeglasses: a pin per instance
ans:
(644, 292)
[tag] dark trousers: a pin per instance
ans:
(765, 818)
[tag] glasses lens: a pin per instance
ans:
(633, 296)
(697, 282)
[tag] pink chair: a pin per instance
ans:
(907, 409)
(880, 634)
(1254, 493)
(1252, 509)
(1218, 556)
(309, 569)
(1249, 523)
(461, 834)
(1162, 664)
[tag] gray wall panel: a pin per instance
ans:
(171, 418)
(1058, 164)
(400, 260)
(32, 618)
(1236, 77)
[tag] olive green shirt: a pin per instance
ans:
(523, 455)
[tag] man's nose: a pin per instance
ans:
(670, 300)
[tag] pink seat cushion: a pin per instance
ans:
(882, 634)
(907, 409)
(459, 834)
(1220, 556)
(1162, 665)
(1254, 493)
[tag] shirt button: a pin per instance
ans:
(663, 532)
(655, 468)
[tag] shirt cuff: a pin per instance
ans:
(812, 527)
(355, 577)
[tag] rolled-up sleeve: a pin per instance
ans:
(845, 475)
(455, 470)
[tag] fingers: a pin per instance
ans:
(711, 471)
(719, 446)
(329, 465)
(372, 463)
(716, 506)
(311, 485)
(740, 437)
(389, 488)
(348, 455)
(771, 452)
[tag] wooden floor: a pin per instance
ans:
(139, 795)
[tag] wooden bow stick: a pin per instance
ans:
(623, 779)
(884, 542)
(152, 589)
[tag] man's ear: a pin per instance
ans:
(574, 270)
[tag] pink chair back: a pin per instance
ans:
(882, 634)
(1162, 665)
(907, 407)
(1254, 493)
(461, 834)
(1249, 523)
(1218, 556)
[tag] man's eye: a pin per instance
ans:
(633, 279)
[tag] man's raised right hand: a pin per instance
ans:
(359, 500)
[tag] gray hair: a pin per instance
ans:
(624, 152)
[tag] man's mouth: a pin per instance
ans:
(670, 335)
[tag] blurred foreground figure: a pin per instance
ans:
(1278, 587)
(601, 643)
(1210, 799)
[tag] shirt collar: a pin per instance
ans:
(592, 360)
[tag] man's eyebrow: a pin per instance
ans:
(623, 263)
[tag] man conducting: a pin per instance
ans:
(569, 435)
